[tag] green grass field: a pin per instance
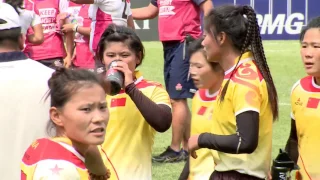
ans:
(286, 67)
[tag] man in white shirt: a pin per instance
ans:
(24, 112)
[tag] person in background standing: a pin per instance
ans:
(23, 111)
(303, 143)
(78, 27)
(106, 12)
(179, 23)
(51, 52)
(208, 77)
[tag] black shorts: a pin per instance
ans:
(231, 175)
(176, 70)
(52, 63)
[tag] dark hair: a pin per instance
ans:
(314, 23)
(115, 33)
(197, 46)
(9, 37)
(16, 4)
(244, 33)
(64, 83)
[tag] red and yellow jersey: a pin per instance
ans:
(305, 103)
(55, 159)
(247, 91)
(129, 138)
(201, 122)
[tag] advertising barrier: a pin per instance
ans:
(278, 19)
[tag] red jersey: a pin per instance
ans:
(78, 14)
(53, 46)
(185, 15)
(57, 159)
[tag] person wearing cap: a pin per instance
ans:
(23, 86)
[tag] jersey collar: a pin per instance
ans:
(12, 56)
(314, 83)
(247, 56)
(66, 143)
(138, 76)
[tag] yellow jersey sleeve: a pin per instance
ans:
(160, 96)
(246, 97)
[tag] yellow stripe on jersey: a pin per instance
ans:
(305, 104)
(129, 138)
(201, 122)
(247, 91)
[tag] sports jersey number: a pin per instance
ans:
(124, 15)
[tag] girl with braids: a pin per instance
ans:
(28, 18)
(303, 143)
(246, 105)
(78, 120)
(140, 110)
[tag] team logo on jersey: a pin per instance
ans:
(298, 102)
(178, 87)
(56, 170)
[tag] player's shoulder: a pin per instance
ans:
(144, 83)
(305, 84)
(246, 71)
(41, 149)
(37, 151)
(56, 168)
(26, 69)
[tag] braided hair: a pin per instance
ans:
(241, 27)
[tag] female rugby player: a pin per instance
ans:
(208, 77)
(303, 144)
(247, 103)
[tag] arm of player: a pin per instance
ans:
(157, 115)
(148, 12)
(37, 37)
(84, 30)
(94, 162)
(244, 141)
(292, 143)
(185, 171)
(56, 169)
(205, 5)
(246, 102)
(69, 40)
(130, 22)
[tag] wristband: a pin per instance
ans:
(75, 28)
(99, 177)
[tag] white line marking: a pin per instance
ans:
(284, 104)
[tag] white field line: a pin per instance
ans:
(284, 104)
